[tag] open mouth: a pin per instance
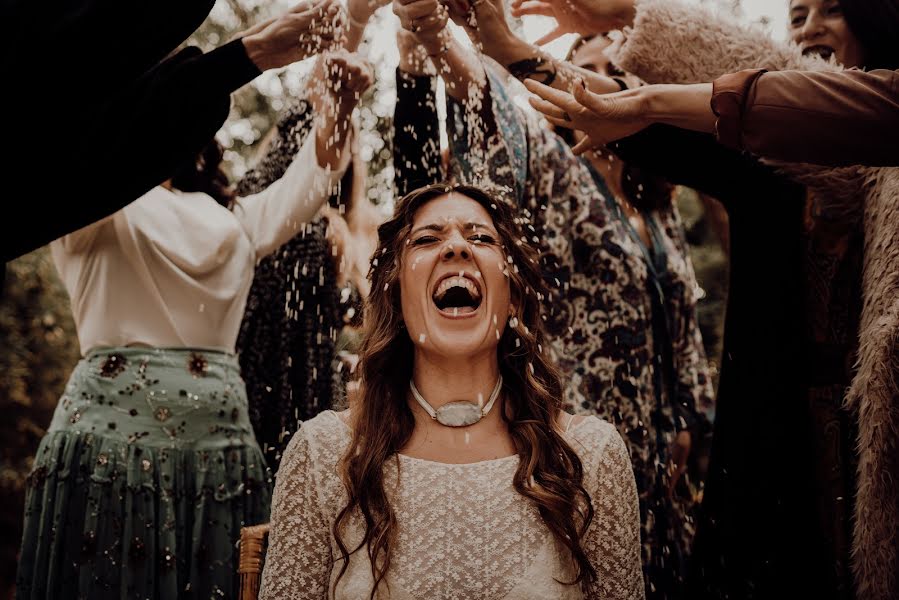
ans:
(457, 295)
(824, 52)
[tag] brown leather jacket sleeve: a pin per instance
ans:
(833, 118)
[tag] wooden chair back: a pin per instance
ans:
(253, 543)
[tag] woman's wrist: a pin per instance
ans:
(438, 44)
(507, 48)
(684, 106)
(331, 133)
(416, 63)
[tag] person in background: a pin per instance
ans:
(150, 467)
(831, 512)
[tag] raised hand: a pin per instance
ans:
(339, 80)
(603, 118)
(426, 21)
(360, 11)
(586, 17)
(414, 59)
(485, 23)
(309, 28)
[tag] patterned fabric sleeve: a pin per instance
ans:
(514, 155)
(488, 140)
(695, 394)
(613, 540)
(298, 559)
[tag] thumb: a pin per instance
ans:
(620, 105)
(254, 29)
(586, 144)
(551, 36)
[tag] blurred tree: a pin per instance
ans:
(38, 348)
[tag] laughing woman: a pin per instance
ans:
(457, 475)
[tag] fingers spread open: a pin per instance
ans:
(620, 105)
(548, 109)
(563, 100)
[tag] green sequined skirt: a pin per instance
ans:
(147, 473)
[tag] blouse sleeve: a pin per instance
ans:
(612, 542)
(82, 240)
(276, 214)
(298, 560)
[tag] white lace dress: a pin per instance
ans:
(463, 530)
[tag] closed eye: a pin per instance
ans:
(424, 240)
(482, 238)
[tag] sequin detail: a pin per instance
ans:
(113, 366)
(197, 364)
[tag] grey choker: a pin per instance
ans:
(460, 413)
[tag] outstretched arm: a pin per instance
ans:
(274, 215)
(607, 118)
(824, 118)
(488, 28)
(426, 21)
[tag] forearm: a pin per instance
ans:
(684, 106)
(331, 135)
(355, 32)
(460, 70)
(277, 213)
(526, 61)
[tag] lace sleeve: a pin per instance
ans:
(613, 540)
(298, 561)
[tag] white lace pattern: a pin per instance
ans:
(463, 530)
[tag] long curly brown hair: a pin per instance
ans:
(549, 474)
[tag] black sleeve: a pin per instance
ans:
(697, 161)
(416, 133)
(93, 45)
(133, 143)
(291, 131)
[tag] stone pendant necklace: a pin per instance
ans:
(460, 413)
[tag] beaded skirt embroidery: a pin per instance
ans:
(147, 473)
